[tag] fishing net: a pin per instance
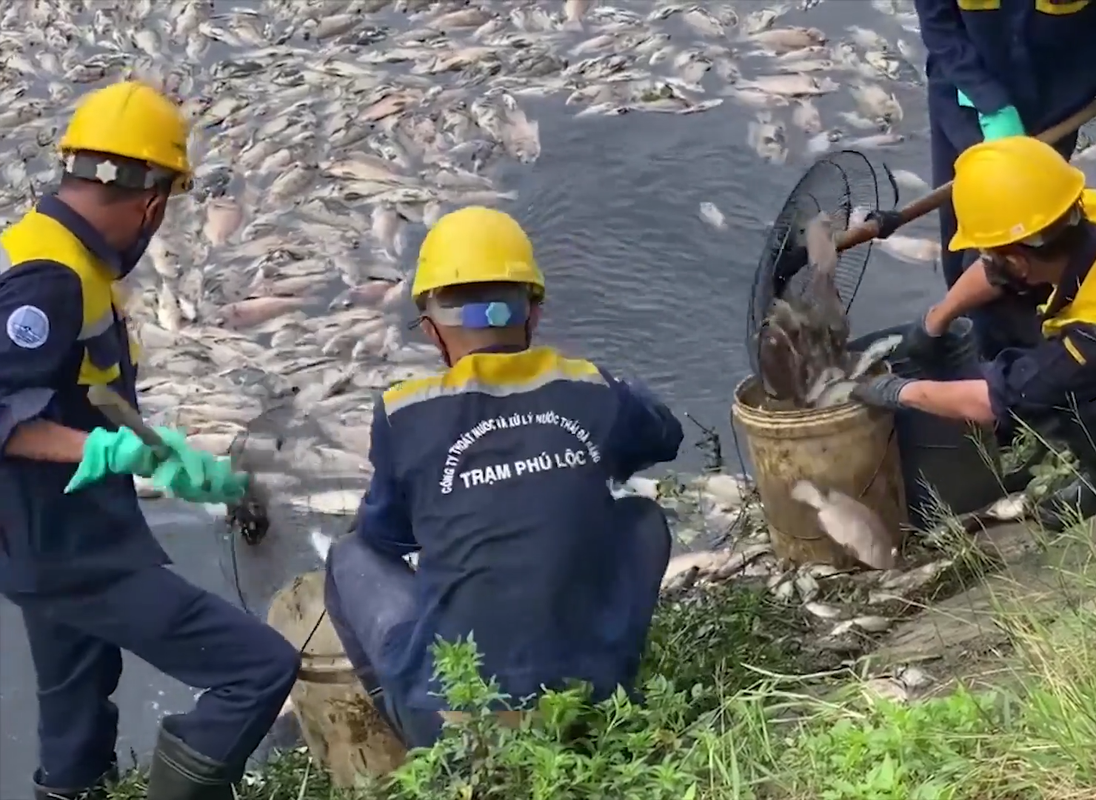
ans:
(845, 185)
(309, 491)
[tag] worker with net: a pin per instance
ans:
(497, 473)
(1026, 210)
(998, 68)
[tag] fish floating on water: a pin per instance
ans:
(328, 136)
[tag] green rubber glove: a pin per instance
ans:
(200, 477)
(1001, 124)
(998, 125)
(119, 452)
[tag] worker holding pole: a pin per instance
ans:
(1000, 68)
(1021, 205)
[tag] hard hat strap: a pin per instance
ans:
(478, 316)
(115, 171)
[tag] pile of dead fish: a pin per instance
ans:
(327, 134)
(803, 359)
(848, 607)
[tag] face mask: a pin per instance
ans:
(132, 255)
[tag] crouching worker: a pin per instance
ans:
(497, 474)
(76, 554)
(1027, 211)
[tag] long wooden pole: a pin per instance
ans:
(866, 231)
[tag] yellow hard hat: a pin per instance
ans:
(476, 245)
(134, 121)
(1009, 190)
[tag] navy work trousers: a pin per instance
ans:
(368, 594)
(1012, 321)
(198, 638)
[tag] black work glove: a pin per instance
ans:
(881, 392)
(888, 222)
(924, 348)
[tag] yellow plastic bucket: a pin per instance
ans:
(341, 727)
(851, 448)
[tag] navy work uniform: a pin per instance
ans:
(497, 474)
(1035, 55)
(84, 568)
(1058, 376)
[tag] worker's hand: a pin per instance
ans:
(1001, 124)
(881, 392)
(930, 340)
(200, 477)
(119, 452)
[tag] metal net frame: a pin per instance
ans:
(837, 184)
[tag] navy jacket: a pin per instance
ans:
(1033, 54)
(1059, 375)
(497, 473)
(63, 333)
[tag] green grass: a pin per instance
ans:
(729, 713)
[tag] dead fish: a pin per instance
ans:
(911, 180)
(711, 214)
(822, 286)
(785, 39)
(910, 249)
(372, 292)
(223, 217)
(768, 138)
(798, 85)
(823, 610)
(256, 310)
(805, 116)
(575, 10)
(851, 524)
(876, 352)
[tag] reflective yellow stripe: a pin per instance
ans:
(1061, 7)
(37, 237)
(496, 375)
(1078, 356)
(96, 327)
(979, 5)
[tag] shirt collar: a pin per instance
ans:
(53, 207)
(499, 348)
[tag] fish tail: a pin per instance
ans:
(806, 492)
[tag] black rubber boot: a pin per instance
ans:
(96, 792)
(180, 773)
(1076, 500)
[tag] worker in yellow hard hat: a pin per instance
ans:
(1027, 211)
(76, 554)
(497, 473)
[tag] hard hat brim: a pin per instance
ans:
(959, 242)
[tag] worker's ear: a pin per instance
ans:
(153, 208)
(431, 332)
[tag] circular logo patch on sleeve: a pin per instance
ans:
(28, 327)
